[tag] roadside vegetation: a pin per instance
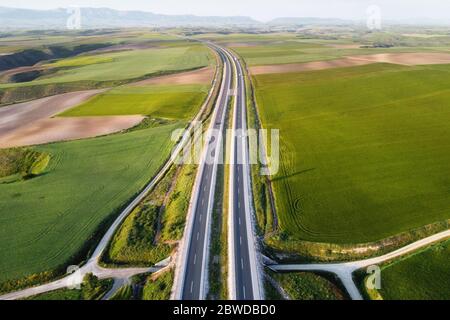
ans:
(159, 287)
(308, 286)
(91, 289)
(124, 293)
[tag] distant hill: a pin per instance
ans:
(12, 18)
(298, 21)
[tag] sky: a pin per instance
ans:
(260, 9)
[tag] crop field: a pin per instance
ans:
(299, 51)
(285, 48)
(123, 65)
(364, 150)
(175, 102)
(48, 219)
(423, 276)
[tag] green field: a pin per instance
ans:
(299, 51)
(48, 219)
(423, 276)
(163, 101)
(364, 150)
(126, 64)
(308, 286)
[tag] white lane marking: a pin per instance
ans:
(195, 258)
(240, 241)
(242, 263)
(243, 290)
(239, 191)
(239, 220)
(201, 217)
(203, 201)
(239, 204)
(192, 285)
(198, 235)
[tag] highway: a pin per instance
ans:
(244, 281)
(191, 279)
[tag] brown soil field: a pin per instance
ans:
(16, 117)
(62, 129)
(408, 59)
(200, 76)
(344, 46)
(308, 66)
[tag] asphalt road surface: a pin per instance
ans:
(195, 273)
(246, 284)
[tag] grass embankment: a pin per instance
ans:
(55, 218)
(159, 288)
(149, 233)
(308, 286)
(124, 293)
(422, 276)
(367, 154)
(21, 164)
(135, 242)
(91, 289)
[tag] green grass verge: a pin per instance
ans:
(366, 158)
(124, 293)
(54, 218)
(160, 288)
(135, 242)
(308, 286)
(174, 217)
